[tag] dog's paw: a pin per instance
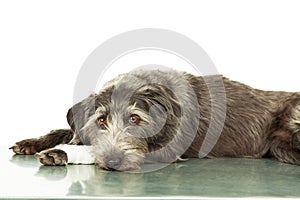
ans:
(53, 157)
(25, 147)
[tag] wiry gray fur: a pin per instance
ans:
(182, 116)
(257, 123)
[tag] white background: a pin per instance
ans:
(44, 43)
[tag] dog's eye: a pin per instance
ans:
(135, 119)
(101, 120)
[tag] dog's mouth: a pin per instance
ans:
(125, 160)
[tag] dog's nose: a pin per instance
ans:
(114, 163)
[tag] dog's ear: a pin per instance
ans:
(162, 95)
(70, 119)
(78, 115)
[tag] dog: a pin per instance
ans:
(165, 116)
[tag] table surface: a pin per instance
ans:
(24, 177)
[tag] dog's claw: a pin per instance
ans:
(13, 148)
(18, 150)
(25, 147)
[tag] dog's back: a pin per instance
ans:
(258, 123)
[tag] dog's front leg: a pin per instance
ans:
(66, 154)
(50, 140)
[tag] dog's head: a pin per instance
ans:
(127, 120)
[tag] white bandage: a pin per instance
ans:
(77, 154)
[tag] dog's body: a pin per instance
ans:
(164, 115)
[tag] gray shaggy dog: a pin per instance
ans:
(163, 116)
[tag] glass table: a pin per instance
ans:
(24, 177)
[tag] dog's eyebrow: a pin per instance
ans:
(132, 107)
(142, 113)
(101, 110)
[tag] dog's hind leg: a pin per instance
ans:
(34, 145)
(286, 147)
(285, 139)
